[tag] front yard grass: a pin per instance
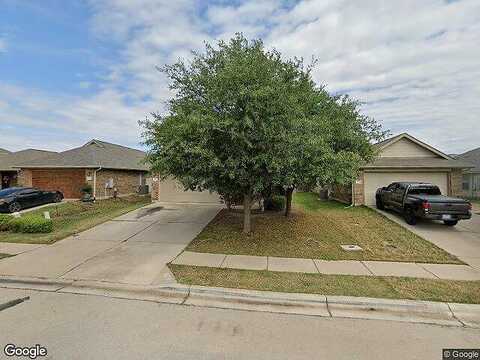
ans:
(346, 285)
(316, 229)
(73, 217)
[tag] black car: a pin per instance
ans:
(18, 198)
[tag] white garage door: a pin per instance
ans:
(172, 191)
(375, 180)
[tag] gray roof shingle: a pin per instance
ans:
(94, 154)
(416, 162)
(10, 159)
(472, 157)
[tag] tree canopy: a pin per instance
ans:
(244, 120)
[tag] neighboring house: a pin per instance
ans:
(403, 158)
(471, 177)
(103, 165)
(8, 160)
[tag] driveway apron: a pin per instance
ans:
(133, 248)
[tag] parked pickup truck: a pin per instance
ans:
(416, 200)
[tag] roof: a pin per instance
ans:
(10, 159)
(94, 154)
(472, 157)
(4, 151)
(416, 162)
(442, 161)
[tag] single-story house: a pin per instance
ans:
(102, 165)
(403, 158)
(8, 160)
(471, 177)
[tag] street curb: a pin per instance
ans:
(412, 311)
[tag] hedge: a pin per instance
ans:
(31, 225)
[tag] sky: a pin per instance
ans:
(75, 70)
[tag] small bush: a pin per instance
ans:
(275, 203)
(31, 225)
(87, 189)
(5, 222)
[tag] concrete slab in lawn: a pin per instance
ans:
(452, 272)
(170, 233)
(346, 267)
(126, 263)
(245, 262)
(199, 259)
(15, 249)
(114, 231)
(383, 268)
(291, 265)
(54, 260)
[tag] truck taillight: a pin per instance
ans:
(426, 205)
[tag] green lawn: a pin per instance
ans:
(316, 229)
(72, 217)
(347, 285)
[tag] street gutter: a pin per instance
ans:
(426, 312)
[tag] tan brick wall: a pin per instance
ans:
(155, 187)
(455, 183)
(24, 177)
(125, 181)
(358, 190)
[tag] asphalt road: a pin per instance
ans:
(92, 327)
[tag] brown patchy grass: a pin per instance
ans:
(347, 285)
(316, 229)
(73, 217)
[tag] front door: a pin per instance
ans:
(6, 180)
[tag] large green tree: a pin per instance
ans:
(244, 120)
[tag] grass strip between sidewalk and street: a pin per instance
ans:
(73, 217)
(316, 229)
(345, 285)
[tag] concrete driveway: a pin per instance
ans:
(131, 249)
(462, 240)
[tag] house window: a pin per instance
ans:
(466, 182)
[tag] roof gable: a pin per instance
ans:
(405, 146)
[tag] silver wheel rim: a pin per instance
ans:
(15, 207)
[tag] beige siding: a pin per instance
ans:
(375, 180)
(406, 148)
(171, 191)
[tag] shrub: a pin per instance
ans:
(87, 189)
(275, 203)
(31, 225)
(5, 222)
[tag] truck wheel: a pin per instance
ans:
(14, 207)
(450, 222)
(379, 204)
(409, 216)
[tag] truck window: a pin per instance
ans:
(431, 190)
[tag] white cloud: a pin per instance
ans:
(413, 63)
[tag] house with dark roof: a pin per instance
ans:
(404, 158)
(106, 167)
(471, 177)
(8, 160)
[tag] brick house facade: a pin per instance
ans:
(105, 167)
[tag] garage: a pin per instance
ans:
(68, 181)
(171, 190)
(402, 158)
(374, 180)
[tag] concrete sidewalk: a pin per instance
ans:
(341, 267)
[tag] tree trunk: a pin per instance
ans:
(288, 206)
(247, 204)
